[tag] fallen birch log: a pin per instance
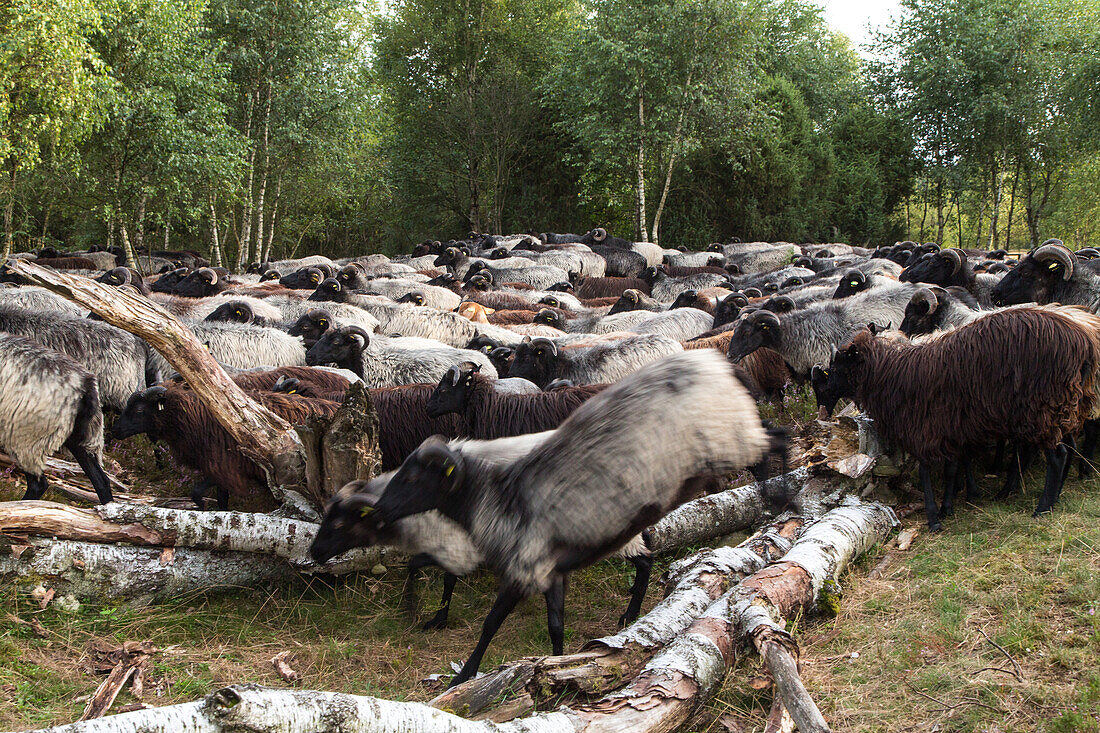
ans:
(668, 690)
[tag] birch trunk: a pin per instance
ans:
(244, 239)
(215, 243)
(9, 210)
(639, 192)
(266, 256)
(263, 177)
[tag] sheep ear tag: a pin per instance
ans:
(449, 470)
(365, 511)
(160, 406)
(1053, 266)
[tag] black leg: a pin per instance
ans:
(90, 464)
(643, 567)
(36, 486)
(930, 510)
(1025, 454)
(223, 499)
(967, 471)
(505, 603)
(1071, 448)
(409, 597)
(1088, 447)
(439, 620)
(950, 471)
(998, 457)
(198, 493)
(555, 614)
(1056, 460)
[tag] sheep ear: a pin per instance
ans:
(361, 504)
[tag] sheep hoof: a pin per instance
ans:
(936, 527)
(947, 511)
(1040, 513)
(435, 623)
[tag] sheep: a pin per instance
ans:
(665, 288)
(48, 400)
(537, 276)
(490, 414)
(120, 276)
(1026, 374)
(591, 486)
(541, 361)
(39, 299)
(621, 262)
(1050, 274)
(201, 283)
(349, 347)
(635, 300)
(283, 267)
(309, 382)
(810, 336)
(939, 309)
(102, 260)
(66, 263)
(306, 278)
(762, 258)
(174, 414)
(245, 347)
(168, 281)
(339, 314)
(240, 310)
(950, 267)
(680, 324)
(430, 538)
(122, 362)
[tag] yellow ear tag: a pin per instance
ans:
(293, 391)
(449, 471)
(365, 511)
(1052, 265)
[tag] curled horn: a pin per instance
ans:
(925, 295)
(318, 273)
(124, 273)
(599, 234)
(327, 269)
(316, 314)
(455, 373)
(547, 343)
(358, 331)
(956, 259)
(765, 317)
(155, 392)
(1058, 253)
(213, 275)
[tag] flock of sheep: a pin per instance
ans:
(544, 399)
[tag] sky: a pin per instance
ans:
(851, 17)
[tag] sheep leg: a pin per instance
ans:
(409, 596)
(1088, 447)
(1056, 460)
(198, 493)
(950, 472)
(968, 476)
(89, 463)
(930, 510)
(223, 498)
(36, 486)
(505, 603)
(643, 567)
(998, 456)
(1025, 454)
(439, 620)
(1071, 447)
(555, 614)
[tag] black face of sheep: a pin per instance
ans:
(346, 524)
(919, 311)
(754, 331)
(424, 482)
(139, 415)
(257, 268)
(500, 253)
(448, 258)
(480, 341)
(728, 309)
(834, 382)
(550, 318)
(452, 393)
(329, 291)
(793, 282)
(535, 361)
(1036, 276)
(854, 281)
(562, 287)
(687, 299)
(117, 276)
(650, 274)
(446, 280)
(628, 301)
(479, 281)
(940, 268)
(771, 287)
(414, 297)
(552, 301)
(779, 304)
(201, 283)
(340, 346)
(752, 292)
(311, 326)
(501, 358)
(307, 278)
(235, 311)
(269, 276)
(167, 282)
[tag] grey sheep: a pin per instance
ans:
(592, 485)
(542, 361)
(48, 400)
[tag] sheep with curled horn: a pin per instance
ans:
(237, 311)
(381, 365)
(307, 278)
(936, 309)
(1050, 274)
(591, 486)
(537, 276)
(541, 361)
(49, 401)
(430, 538)
(1048, 354)
(634, 300)
(242, 346)
(810, 335)
(167, 282)
(201, 283)
(665, 288)
(119, 276)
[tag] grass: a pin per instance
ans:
(922, 662)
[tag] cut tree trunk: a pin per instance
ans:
(664, 695)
